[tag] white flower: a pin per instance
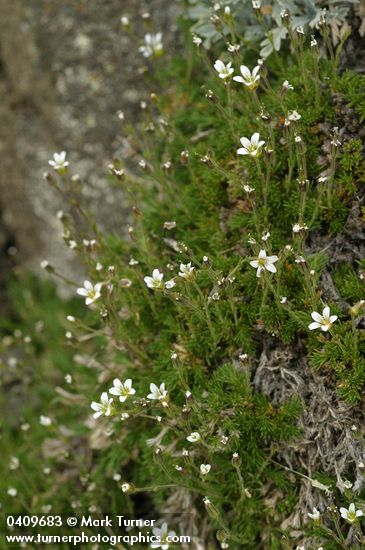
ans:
(224, 71)
(197, 40)
(186, 271)
(233, 48)
(283, 299)
(59, 161)
(264, 262)
(297, 139)
(251, 80)
(14, 463)
(104, 407)
(324, 321)
(157, 393)
(122, 389)
(12, 492)
(297, 228)
(351, 514)
(45, 420)
(206, 501)
(163, 535)
(155, 282)
(126, 487)
(248, 189)
(287, 86)
(347, 484)
(169, 225)
(125, 21)
(256, 4)
(250, 146)
(90, 291)
(153, 46)
(293, 116)
(265, 236)
(205, 469)
(315, 514)
(68, 378)
(194, 437)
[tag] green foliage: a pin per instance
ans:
(201, 214)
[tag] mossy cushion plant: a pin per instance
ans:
(211, 329)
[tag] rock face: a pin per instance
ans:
(66, 68)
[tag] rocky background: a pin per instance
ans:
(66, 68)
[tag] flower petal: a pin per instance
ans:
(245, 142)
(317, 317)
(245, 71)
(82, 291)
(326, 312)
(270, 267)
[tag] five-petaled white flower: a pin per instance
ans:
(104, 407)
(205, 469)
(351, 514)
(224, 71)
(155, 282)
(250, 146)
(157, 393)
(194, 437)
(187, 271)
(163, 536)
(315, 514)
(153, 46)
(122, 389)
(59, 162)
(90, 291)
(324, 321)
(251, 80)
(264, 262)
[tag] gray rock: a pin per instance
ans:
(65, 71)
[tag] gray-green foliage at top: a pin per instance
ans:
(264, 26)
